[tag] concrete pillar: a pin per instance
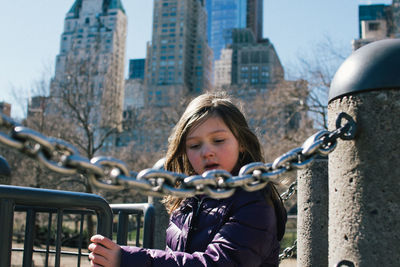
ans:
(161, 221)
(364, 174)
(312, 215)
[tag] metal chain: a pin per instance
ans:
(113, 174)
(345, 263)
(288, 252)
(290, 191)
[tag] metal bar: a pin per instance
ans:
(122, 231)
(29, 238)
(148, 226)
(48, 239)
(51, 251)
(138, 217)
(38, 209)
(6, 226)
(80, 239)
(60, 214)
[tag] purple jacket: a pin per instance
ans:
(237, 231)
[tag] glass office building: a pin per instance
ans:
(225, 15)
(222, 17)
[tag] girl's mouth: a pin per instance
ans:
(211, 166)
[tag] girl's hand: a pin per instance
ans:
(104, 252)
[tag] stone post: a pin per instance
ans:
(161, 219)
(312, 215)
(364, 173)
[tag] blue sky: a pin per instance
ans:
(31, 31)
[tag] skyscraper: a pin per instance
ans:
(178, 57)
(134, 85)
(377, 22)
(254, 18)
(250, 64)
(254, 64)
(225, 15)
(136, 68)
(90, 66)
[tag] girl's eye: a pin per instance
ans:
(193, 146)
(219, 140)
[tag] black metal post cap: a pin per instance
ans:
(372, 67)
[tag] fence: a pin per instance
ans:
(32, 201)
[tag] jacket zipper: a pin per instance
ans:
(193, 222)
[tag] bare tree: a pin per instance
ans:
(148, 128)
(25, 171)
(318, 69)
(81, 100)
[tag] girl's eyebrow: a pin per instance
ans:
(210, 133)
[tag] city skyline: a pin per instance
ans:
(26, 56)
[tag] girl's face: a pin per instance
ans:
(212, 145)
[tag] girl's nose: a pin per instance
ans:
(207, 151)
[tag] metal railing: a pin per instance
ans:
(138, 209)
(33, 201)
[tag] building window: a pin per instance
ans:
(254, 81)
(265, 74)
(373, 26)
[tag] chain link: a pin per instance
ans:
(288, 252)
(112, 174)
(290, 191)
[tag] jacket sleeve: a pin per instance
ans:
(248, 238)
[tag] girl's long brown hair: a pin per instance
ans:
(199, 109)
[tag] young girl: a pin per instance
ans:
(242, 230)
